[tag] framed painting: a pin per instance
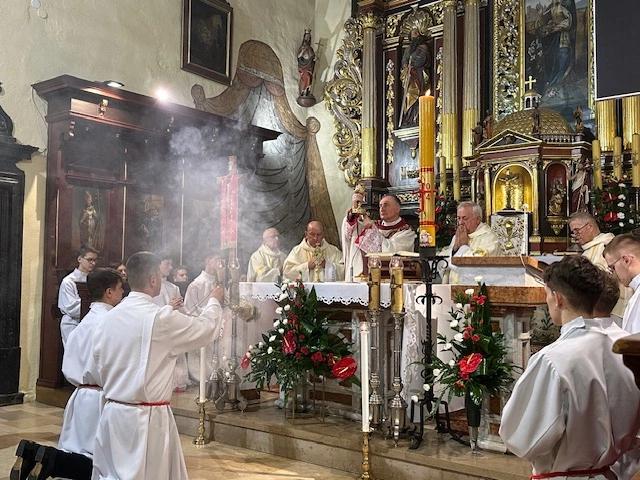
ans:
(557, 53)
(206, 39)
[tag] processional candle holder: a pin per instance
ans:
(429, 263)
(232, 396)
(397, 405)
(375, 399)
(201, 440)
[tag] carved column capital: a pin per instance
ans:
(370, 20)
(449, 5)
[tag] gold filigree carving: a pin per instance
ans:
(408, 197)
(391, 28)
(343, 99)
(390, 110)
(436, 11)
(506, 58)
(421, 19)
(369, 20)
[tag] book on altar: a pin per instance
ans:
(388, 255)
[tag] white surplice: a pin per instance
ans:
(296, 263)
(168, 291)
(194, 303)
(631, 317)
(576, 406)
(265, 265)
(82, 412)
(69, 303)
(135, 351)
(378, 237)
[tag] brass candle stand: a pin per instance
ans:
(201, 440)
(365, 458)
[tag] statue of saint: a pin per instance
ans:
(416, 61)
(487, 123)
(306, 65)
(577, 116)
(535, 117)
(580, 185)
(512, 189)
(90, 224)
(556, 197)
(478, 134)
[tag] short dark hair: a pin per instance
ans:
(609, 296)
(579, 280)
(100, 279)
(140, 267)
(84, 249)
(395, 198)
(116, 264)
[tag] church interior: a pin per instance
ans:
(517, 128)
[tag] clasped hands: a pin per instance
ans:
(462, 238)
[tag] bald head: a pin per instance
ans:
(314, 234)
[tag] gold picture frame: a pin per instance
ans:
(206, 39)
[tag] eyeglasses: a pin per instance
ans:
(576, 231)
(90, 260)
(611, 267)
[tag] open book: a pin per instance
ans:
(387, 256)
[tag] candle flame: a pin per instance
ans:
(427, 93)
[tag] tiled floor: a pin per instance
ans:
(215, 461)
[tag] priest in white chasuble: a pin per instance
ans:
(361, 235)
(585, 230)
(314, 259)
(265, 264)
(473, 237)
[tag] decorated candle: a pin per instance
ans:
(397, 276)
(427, 172)
(374, 283)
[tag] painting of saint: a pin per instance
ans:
(556, 53)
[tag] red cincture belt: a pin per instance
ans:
(141, 404)
(572, 473)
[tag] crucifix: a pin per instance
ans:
(529, 82)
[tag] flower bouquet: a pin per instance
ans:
(299, 342)
(613, 210)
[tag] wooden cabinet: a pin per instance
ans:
(125, 172)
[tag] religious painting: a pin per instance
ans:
(144, 222)
(206, 39)
(555, 52)
(88, 217)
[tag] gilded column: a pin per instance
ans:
(596, 159)
(630, 119)
(488, 198)
(449, 92)
(471, 84)
(606, 121)
(369, 162)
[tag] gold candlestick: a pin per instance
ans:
(396, 267)
(365, 457)
(374, 283)
(201, 440)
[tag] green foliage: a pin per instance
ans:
(299, 342)
(613, 209)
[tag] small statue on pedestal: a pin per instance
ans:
(306, 66)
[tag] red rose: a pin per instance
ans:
(465, 335)
(344, 368)
(459, 384)
(331, 361)
(289, 342)
(317, 358)
(475, 338)
(304, 350)
(245, 362)
(611, 217)
(469, 364)
(298, 356)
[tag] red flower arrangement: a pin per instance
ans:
(299, 342)
(613, 209)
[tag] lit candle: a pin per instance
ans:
(374, 279)
(597, 164)
(203, 374)
(635, 160)
(397, 276)
(427, 172)
(364, 373)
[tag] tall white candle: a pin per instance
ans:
(203, 374)
(364, 373)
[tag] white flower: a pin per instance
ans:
(631, 221)
(478, 279)
(458, 337)
(279, 310)
(469, 291)
(276, 323)
(452, 363)
(270, 350)
(415, 399)
(621, 204)
(285, 321)
(283, 296)
(272, 338)
(287, 308)
(426, 387)
(248, 354)
(459, 306)
(447, 346)
(621, 197)
(621, 185)
(436, 372)
(261, 344)
(621, 224)
(284, 287)
(621, 215)
(281, 331)
(453, 323)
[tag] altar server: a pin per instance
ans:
(135, 350)
(361, 235)
(622, 255)
(576, 409)
(313, 254)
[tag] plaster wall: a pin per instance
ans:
(139, 44)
